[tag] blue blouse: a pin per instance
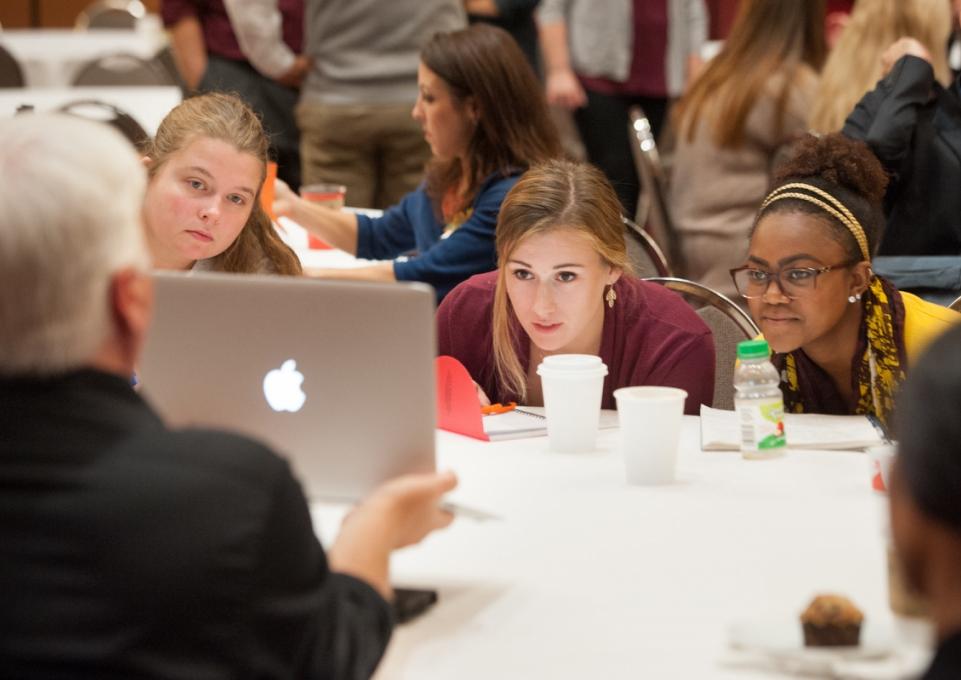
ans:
(442, 260)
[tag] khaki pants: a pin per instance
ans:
(376, 150)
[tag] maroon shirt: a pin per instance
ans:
(650, 337)
(219, 35)
(648, 76)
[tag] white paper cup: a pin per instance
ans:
(650, 421)
(572, 385)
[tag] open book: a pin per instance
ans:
(529, 421)
(720, 431)
(516, 424)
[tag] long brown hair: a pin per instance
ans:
(557, 194)
(227, 118)
(514, 129)
(769, 37)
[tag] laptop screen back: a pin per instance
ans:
(336, 376)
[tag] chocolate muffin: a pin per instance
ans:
(831, 621)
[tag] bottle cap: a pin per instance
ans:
(753, 349)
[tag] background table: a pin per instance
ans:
(52, 57)
(296, 237)
(586, 577)
(147, 105)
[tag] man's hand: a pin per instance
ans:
(410, 506)
(398, 513)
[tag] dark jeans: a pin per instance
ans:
(603, 128)
(273, 102)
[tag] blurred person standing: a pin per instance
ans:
(514, 16)
(751, 101)
(264, 68)
(354, 111)
(270, 34)
(603, 56)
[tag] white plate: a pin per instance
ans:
(783, 640)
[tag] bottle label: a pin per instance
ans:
(762, 425)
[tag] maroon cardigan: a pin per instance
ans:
(651, 337)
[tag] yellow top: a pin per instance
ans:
(924, 322)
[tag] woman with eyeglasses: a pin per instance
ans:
(843, 337)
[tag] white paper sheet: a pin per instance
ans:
(720, 431)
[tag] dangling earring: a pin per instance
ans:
(854, 298)
(610, 296)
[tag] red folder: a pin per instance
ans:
(458, 408)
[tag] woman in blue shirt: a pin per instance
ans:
(486, 121)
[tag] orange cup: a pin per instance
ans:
(331, 195)
(267, 190)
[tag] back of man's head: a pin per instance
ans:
(929, 432)
(70, 217)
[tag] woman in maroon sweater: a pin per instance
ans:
(562, 287)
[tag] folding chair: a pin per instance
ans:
(730, 325)
(116, 14)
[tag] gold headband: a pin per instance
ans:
(833, 207)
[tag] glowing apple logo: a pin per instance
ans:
(282, 388)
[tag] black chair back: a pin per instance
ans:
(111, 14)
(122, 69)
(11, 75)
(93, 109)
(647, 259)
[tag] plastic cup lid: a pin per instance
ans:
(572, 364)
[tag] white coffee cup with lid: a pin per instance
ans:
(572, 385)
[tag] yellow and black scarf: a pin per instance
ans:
(878, 368)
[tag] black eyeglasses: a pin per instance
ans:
(794, 282)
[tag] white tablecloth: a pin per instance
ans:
(52, 57)
(586, 577)
(147, 105)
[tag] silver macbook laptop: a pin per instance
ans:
(336, 376)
